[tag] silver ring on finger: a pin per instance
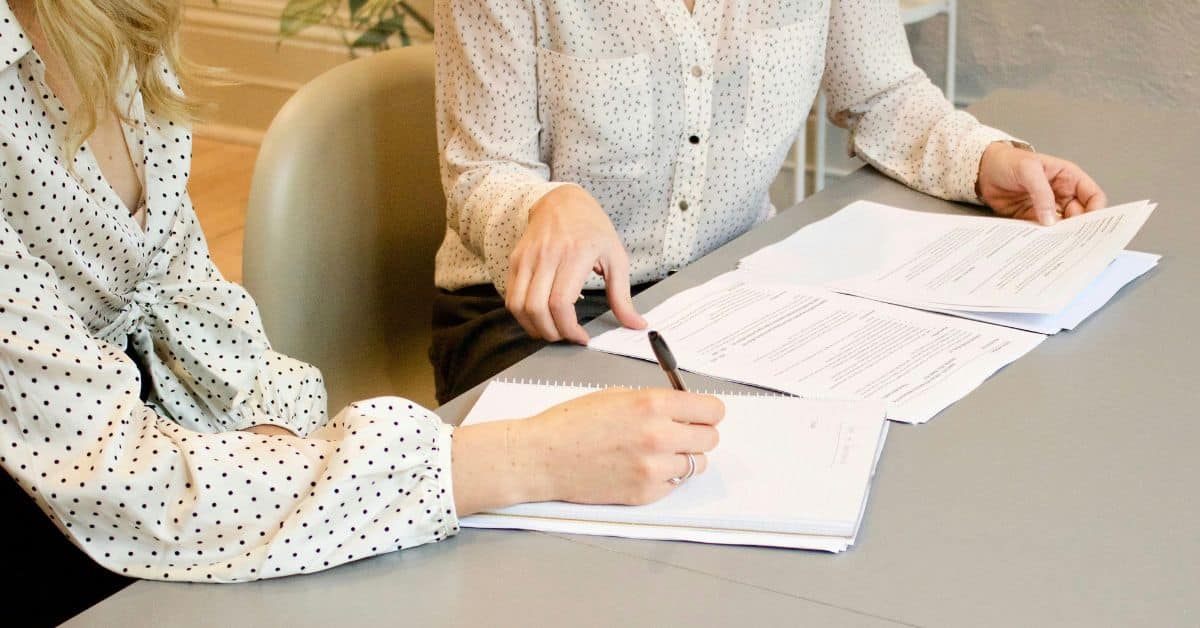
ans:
(676, 481)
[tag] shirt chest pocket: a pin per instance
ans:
(596, 115)
(785, 66)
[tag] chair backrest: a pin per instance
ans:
(345, 215)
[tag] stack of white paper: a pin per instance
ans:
(853, 306)
(1128, 265)
(788, 472)
(1043, 279)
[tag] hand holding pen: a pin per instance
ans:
(666, 360)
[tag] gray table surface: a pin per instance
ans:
(1061, 492)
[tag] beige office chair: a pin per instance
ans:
(346, 212)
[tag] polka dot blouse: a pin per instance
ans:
(143, 468)
(676, 122)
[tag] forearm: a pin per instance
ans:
(498, 464)
(913, 135)
(488, 124)
(900, 122)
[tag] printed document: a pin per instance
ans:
(939, 261)
(1128, 266)
(816, 343)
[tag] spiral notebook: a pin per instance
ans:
(788, 472)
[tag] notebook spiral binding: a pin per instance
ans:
(528, 381)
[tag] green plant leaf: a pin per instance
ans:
(416, 15)
(367, 13)
(301, 14)
(377, 21)
(376, 37)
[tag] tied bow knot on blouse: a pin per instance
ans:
(203, 335)
(171, 489)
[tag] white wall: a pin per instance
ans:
(1142, 51)
(1138, 51)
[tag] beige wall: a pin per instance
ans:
(242, 37)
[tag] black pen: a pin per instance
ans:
(666, 360)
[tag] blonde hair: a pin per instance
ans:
(99, 39)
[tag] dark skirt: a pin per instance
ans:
(53, 580)
(50, 580)
(475, 337)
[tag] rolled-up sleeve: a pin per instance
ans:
(899, 121)
(487, 118)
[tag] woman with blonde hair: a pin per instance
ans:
(143, 409)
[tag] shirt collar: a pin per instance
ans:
(14, 43)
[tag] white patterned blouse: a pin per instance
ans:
(676, 122)
(127, 365)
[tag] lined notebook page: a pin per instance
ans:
(784, 465)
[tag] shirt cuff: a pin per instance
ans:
(286, 393)
(419, 454)
(441, 517)
(445, 445)
(963, 181)
(505, 228)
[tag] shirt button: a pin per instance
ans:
(695, 139)
(683, 205)
(697, 71)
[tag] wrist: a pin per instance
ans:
(989, 153)
(556, 197)
(499, 464)
(530, 455)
